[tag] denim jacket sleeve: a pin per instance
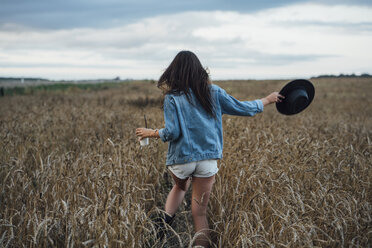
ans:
(171, 131)
(232, 106)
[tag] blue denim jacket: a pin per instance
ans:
(194, 135)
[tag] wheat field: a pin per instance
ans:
(74, 175)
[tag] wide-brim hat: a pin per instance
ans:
(298, 95)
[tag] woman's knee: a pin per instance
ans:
(198, 212)
(199, 206)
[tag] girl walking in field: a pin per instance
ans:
(193, 109)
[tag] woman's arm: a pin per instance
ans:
(232, 106)
(171, 131)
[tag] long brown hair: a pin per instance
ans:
(184, 73)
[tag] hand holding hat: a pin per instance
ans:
(272, 98)
(298, 94)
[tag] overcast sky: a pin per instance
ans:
(88, 39)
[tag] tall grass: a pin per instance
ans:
(73, 173)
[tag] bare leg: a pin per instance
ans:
(201, 190)
(176, 195)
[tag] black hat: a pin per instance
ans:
(298, 95)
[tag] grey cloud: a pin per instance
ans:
(69, 14)
(151, 43)
(6, 64)
(135, 39)
(81, 13)
(250, 57)
(355, 26)
(280, 59)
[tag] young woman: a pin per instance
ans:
(193, 109)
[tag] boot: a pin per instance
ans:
(160, 223)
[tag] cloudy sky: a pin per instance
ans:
(88, 39)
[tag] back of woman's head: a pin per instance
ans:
(184, 73)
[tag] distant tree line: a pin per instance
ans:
(28, 79)
(364, 75)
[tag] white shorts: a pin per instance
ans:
(204, 168)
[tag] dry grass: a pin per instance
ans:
(73, 174)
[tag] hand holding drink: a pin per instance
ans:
(146, 133)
